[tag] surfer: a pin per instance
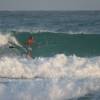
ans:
(30, 42)
(28, 49)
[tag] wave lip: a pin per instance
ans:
(3, 39)
(7, 38)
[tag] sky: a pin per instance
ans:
(49, 4)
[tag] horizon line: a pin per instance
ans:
(49, 10)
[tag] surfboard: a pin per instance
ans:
(23, 51)
(13, 45)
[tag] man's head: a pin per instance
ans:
(31, 37)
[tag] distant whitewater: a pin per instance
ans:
(66, 55)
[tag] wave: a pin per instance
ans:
(51, 67)
(55, 66)
(67, 76)
(6, 38)
(36, 30)
(61, 68)
(70, 76)
(32, 30)
(51, 44)
(83, 45)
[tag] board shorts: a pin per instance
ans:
(29, 49)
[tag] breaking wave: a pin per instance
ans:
(70, 76)
(6, 38)
(66, 76)
(50, 67)
(65, 66)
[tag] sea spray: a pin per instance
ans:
(50, 67)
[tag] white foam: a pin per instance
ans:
(78, 32)
(52, 67)
(70, 76)
(6, 38)
(34, 30)
(3, 39)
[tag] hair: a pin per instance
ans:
(30, 37)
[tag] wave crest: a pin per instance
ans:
(6, 38)
(50, 67)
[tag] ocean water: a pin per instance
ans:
(66, 55)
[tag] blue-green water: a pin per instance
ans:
(50, 44)
(66, 55)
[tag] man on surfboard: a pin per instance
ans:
(30, 42)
